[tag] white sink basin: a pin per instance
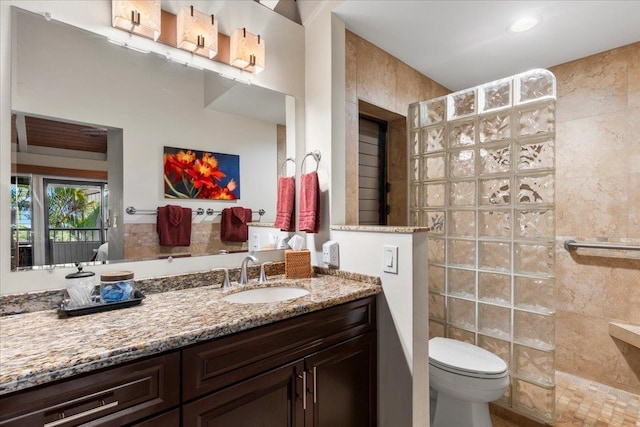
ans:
(264, 295)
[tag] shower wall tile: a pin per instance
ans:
(351, 67)
(410, 87)
(633, 139)
(633, 57)
(396, 172)
(634, 205)
(604, 199)
(494, 223)
(602, 137)
(351, 163)
(374, 66)
(600, 360)
(592, 86)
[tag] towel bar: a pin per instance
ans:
(571, 245)
(200, 211)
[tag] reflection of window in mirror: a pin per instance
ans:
(59, 192)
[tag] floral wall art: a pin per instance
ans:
(194, 174)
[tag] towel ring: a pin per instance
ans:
(316, 156)
(283, 170)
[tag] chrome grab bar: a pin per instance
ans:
(572, 245)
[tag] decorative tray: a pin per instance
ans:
(65, 311)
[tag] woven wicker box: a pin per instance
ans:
(297, 264)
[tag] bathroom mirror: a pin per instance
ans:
(144, 102)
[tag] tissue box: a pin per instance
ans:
(297, 264)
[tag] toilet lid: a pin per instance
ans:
(464, 358)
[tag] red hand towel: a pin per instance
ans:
(285, 206)
(174, 226)
(233, 226)
(309, 217)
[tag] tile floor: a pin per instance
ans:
(581, 402)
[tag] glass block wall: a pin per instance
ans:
(482, 169)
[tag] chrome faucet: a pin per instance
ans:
(243, 269)
(263, 273)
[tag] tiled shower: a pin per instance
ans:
(482, 172)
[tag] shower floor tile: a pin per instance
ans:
(582, 402)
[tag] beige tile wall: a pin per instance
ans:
(141, 242)
(598, 198)
(374, 76)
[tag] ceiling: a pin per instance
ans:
(461, 44)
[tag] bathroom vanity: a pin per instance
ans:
(304, 362)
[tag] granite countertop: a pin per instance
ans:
(40, 347)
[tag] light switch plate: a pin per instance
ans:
(390, 259)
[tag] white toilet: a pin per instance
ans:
(463, 379)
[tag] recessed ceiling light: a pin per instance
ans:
(524, 24)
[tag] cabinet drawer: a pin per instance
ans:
(224, 361)
(111, 397)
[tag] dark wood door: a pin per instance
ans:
(341, 385)
(273, 399)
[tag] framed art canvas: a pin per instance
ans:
(195, 174)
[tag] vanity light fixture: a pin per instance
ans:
(524, 24)
(247, 51)
(197, 32)
(141, 17)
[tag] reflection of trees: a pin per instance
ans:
(71, 208)
(21, 199)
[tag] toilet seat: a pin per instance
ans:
(465, 359)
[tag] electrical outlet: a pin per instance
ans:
(330, 254)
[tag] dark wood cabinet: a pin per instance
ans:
(112, 397)
(313, 370)
(343, 384)
(270, 399)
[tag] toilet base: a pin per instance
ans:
(452, 412)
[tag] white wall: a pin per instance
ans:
(284, 73)
(402, 321)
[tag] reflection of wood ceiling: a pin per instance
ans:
(54, 134)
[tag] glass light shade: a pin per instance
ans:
(197, 32)
(141, 17)
(247, 51)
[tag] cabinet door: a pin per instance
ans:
(341, 390)
(274, 398)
